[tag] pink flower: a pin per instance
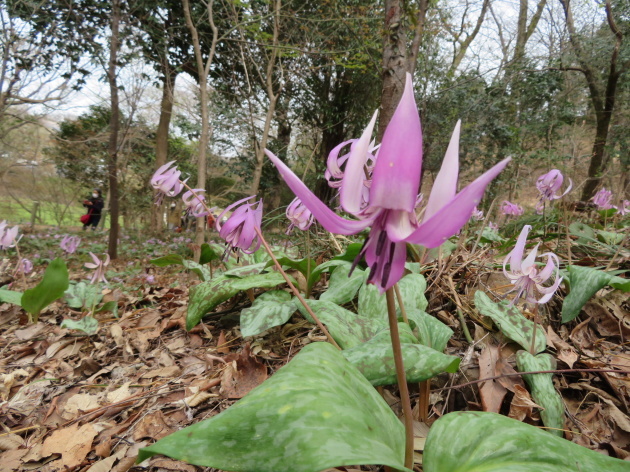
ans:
(549, 185)
(239, 231)
(70, 243)
(509, 208)
(525, 275)
(299, 216)
(625, 208)
(603, 199)
(8, 236)
(99, 274)
(195, 202)
(25, 266)
(166, 182)
(393, 194)
(493, 226)
(477, 214)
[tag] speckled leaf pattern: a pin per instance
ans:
(584, 283)
(207, 295)
(346, 327)
(375, 360)
(342, 287)
(246, 270)
(488, 442)
(315, 413)
(542, 389)
(270, 309)
(412, 286)
(511, 322)
(431, 331)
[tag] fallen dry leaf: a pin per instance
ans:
(492, 392)
(243, 373)
(73, 443)
(522, 404)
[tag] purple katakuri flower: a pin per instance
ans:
(8, 236)
(603, 199)
(25, 266)
(99, 274)
(393, 194)
(70, 243)
(550, 184)
(509, 208)
(477, 214)
(299, 216)
(150, 279)
(625, 208)
(493, 226)
(195, 202)
(166, 182)
(334, 174)
(239, 230)
(524, 273)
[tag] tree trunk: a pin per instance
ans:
(113, 131)
(598, 161)
(161, 138)
(394, 64)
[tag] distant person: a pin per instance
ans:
(95, 206)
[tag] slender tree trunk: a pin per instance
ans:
(161, 138)
(114, 124)
(203, 68)
(394, 63)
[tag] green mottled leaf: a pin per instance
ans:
(511, 322)
(412, 286)
(582, 231)
(584, 283)
(375, 359)
(431, 331)
(609, 237)
(247, 270)
(87, 324)
(52, 286)
(315, 413)
(347, 328)
(488, 442)
(202, 271)
(270, 309)
(11, 296)
(543, 391)
(207, 295)
(316, 272)
(342, 287)
(209, 253)
(302, 265)
(83, 295)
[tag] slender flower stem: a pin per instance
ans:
(402, 379)
(532, 348)
(295, 291)
(399, 298)
(21, 268)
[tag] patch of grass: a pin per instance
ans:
(46, 214)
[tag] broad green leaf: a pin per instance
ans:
(209, 253)
(83, 295)
(202, 271)
(584, 283)
(317, 272)
(347, 328)
(87, 324)
(270, 309)
(511, 322)
(10, 296)
(543, 391)
(412, 286)
(315, 413)
(109, 306)
(303, 265)
(352, 251)
(488, 442)
(610, 237)
(431, 331)
(52, 286)
(342, 287)
(247, 270)
(375, 360)
(207, 295)
(584, 232)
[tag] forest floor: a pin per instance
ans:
(70, 401)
